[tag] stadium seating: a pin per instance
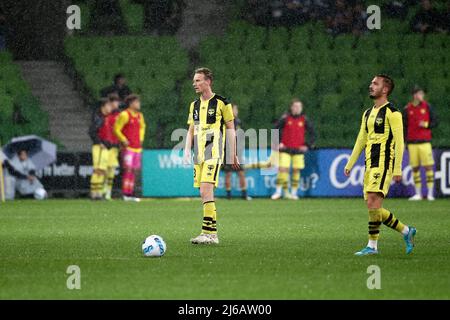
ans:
(262, 69)
(153, 66)
(21, 112)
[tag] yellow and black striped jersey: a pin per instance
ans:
(209, 118)
(381, 135)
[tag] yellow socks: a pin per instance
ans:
(417, 182)
(110, 174)
(375, 219)
(282, 180)
(97, 182)
(378, 216)
(430, 181)
(209, 218)
(391, 221)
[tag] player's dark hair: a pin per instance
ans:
(206, 72)
(131, 98)
(416, 89)
(388, 81)
(295, 100)
(102, 102)
(118, 76)
(113, 97)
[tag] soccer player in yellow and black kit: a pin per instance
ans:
(210, 124)
(381, 135)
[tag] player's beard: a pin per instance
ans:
(374, 95)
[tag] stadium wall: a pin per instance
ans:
(165, 175)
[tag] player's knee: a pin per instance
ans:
(415, 169)
(427, 168)
(374, 200)
(284, 170)
(206, 192)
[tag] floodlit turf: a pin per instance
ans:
(268, 250)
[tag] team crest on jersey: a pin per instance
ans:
(300, 124)
(422, 111)
(210, 167)
(376, 175)
(211, 112)
(379, 121)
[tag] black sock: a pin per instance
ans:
(229, 194)
(244, 194)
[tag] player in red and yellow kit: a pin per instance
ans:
(419, 119)
(294, 128)
(130, 130)
(98, 131)
(113, 157)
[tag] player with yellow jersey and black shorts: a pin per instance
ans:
(210, 124)
(381, 136)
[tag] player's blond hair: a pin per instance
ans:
(206, 72)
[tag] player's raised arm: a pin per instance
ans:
(360, 144)
(395, 120)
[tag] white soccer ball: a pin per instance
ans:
(154, 246)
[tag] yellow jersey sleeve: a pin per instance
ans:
(360, 144)
(142, 128)
(227, 112)
(121, 121)
(396, 123)
(191, 114)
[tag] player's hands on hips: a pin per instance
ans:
(281, 146)
(397, 179)
(102, 146)
(303, 148)
(125, 143)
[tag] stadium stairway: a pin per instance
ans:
(202, 18)
(69, 119)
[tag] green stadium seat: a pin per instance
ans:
(411, 42)
(343, 42)
(133, 14)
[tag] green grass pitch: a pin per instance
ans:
(268, 250)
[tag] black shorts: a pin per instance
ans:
(229, 168)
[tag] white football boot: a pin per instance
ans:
(430, 197)
(203, 238)
(415, 197)
(214, 238)
(133, 199)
